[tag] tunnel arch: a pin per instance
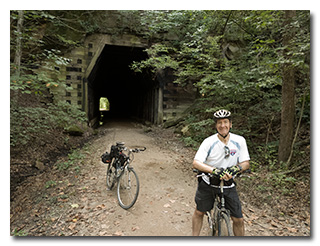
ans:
(132, 95)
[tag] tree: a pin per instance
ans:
(246, 61)
(257, 82)
(18, 54)
(32, 114)
(288, 91)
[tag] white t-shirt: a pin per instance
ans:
(212, 151)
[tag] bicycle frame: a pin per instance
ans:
(218, 213)
(119, 171)
(129, 158)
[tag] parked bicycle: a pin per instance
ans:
(219, 217)
(119, 171)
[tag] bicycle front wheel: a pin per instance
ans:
(128, 188)
(211, 225)
(224, 225)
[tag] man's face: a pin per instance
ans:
(223, 126)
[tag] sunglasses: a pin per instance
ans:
(226, 152)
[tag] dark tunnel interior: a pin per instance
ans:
(129, 93)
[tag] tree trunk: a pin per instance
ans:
(14, 94)
(288, 92)
(17, 57)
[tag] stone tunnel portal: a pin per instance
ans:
(131, 94)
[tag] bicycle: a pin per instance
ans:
(119, 171)
(218, 217)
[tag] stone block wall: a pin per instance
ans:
(72, 75)
(176, 99)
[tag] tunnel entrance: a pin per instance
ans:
(104, 107)
(130, 94)
(104, 104)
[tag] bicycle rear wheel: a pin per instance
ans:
(128, 188)
(224, 225)
(110, 180)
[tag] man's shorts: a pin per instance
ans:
(205, 196)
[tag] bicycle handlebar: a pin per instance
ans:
(137, 150)
(243, 174)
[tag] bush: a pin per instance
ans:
(29, 123)
(26, 123)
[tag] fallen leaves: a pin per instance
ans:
(260, 222)
(102, 206)
(118, 234)
(84, 208)
(135, 228)
(71, 227)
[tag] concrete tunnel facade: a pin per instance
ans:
(100, 68)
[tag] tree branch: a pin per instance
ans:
(295, 169)
(297, 130)
(225, 24)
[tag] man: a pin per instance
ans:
(224, 154)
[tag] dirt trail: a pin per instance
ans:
(164, 206)
(80, 205)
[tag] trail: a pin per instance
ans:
(164, 205)
(79, 204)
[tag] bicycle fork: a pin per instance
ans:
(222, 196)
(127, 184)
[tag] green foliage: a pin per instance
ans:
(161, 59)
(74, 159)
(25, 123)
(235, 60)
(32, 115)
(19, 233)
(268, 154)
(281, 182)
(50, 184)
(29, 83)
(65, 115)
(30, 123)
(199, 130)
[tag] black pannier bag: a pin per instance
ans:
(106, 158)
(115, 152)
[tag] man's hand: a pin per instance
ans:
(219, 172)
(226, 176)
(233, 170)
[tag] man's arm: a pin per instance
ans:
(245, 165)
(202, 166)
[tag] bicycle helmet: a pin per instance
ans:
(222, 114)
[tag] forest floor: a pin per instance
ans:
(73, 200)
